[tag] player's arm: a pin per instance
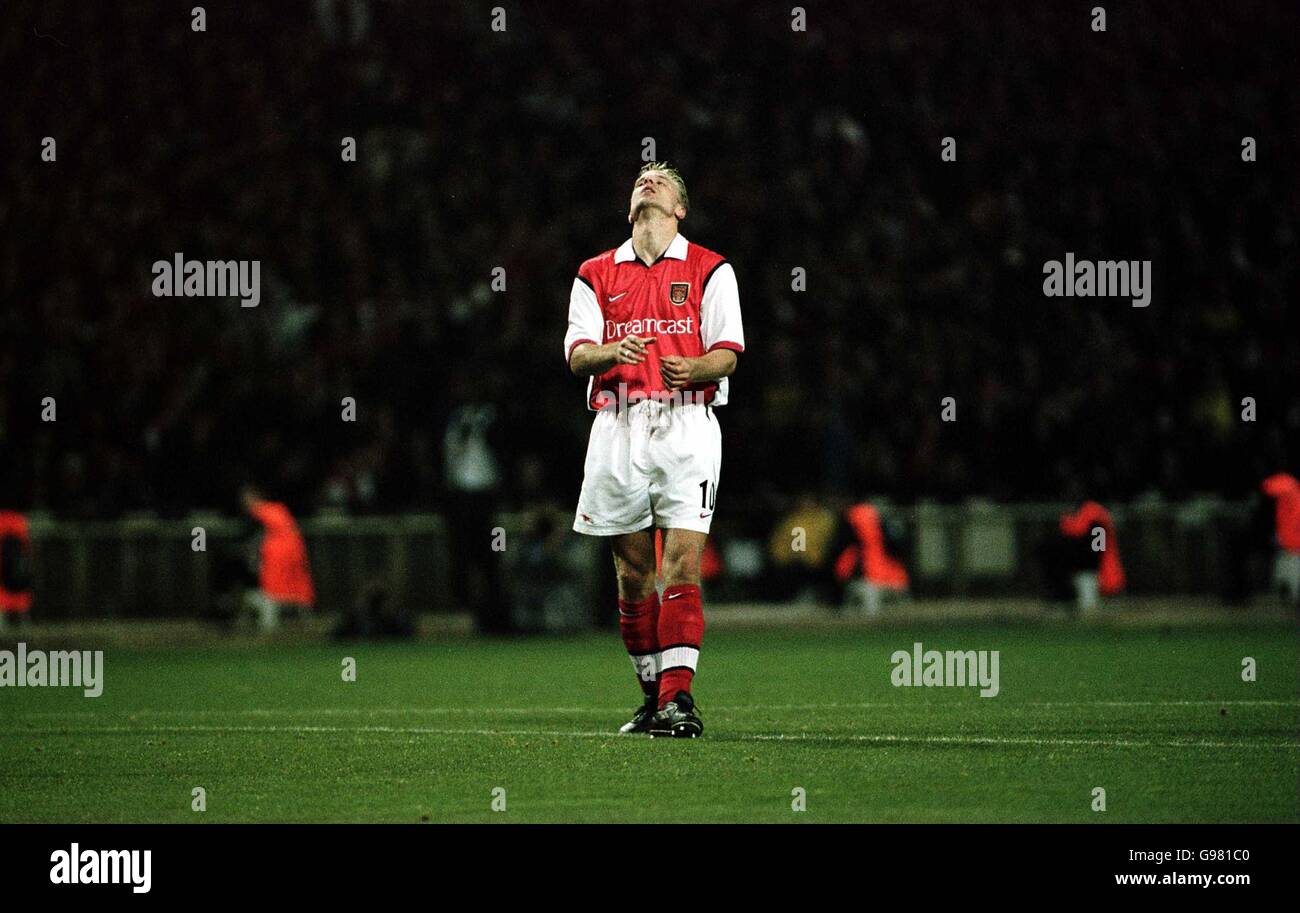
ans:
(582, 348)
(679, 371)
(588, 358)
(720, 331)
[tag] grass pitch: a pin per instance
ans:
(1160, 719)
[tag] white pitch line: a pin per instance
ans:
(756, 708)
(755, 737)
(991, 740)
(1158, 703)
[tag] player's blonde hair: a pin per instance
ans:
(672, 174)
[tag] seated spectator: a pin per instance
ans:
(799, 551)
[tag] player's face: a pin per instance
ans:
(654, 189)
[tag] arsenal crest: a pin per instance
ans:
(677, 292)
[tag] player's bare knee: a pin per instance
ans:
(682, 567)
(636, 575)
(635, 584)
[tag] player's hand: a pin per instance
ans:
(631, 350)
(675, 370)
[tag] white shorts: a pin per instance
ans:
(652, 464)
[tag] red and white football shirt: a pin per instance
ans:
(687, 300)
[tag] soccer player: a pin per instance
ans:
(655, 325)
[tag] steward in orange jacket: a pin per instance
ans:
(867, 554)
(284, 574)
(1110, 572)
(15, 551)
(1285, 489)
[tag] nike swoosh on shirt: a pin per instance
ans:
(616, 297)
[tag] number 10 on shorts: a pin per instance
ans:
(708, 495)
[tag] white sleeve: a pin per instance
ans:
(720, 326)
(586, 322)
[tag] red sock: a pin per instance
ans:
(681, 627)
(639, 623)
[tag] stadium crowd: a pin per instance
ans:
(477, 149)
